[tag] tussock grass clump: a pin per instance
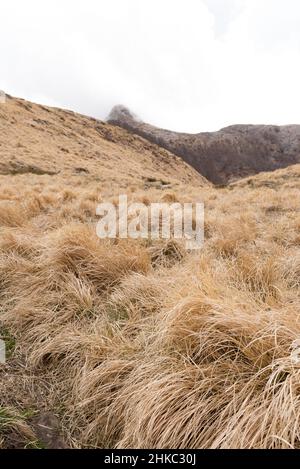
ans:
(167, 254)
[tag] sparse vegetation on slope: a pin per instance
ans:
(230, 154)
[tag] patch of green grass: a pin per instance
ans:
(117, 313)
(37, 444)
(29, 413)
(7, 418)
(10, 342)
(4, 416)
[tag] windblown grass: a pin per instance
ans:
(144, 344)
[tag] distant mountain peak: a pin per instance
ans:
(121, 113)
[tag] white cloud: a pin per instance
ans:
(191, 66)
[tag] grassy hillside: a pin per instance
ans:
(136, 343)
(40, 140)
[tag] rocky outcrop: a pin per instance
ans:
(14, 167)
(231, 153)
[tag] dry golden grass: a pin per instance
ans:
(143, 344)
(37, 139)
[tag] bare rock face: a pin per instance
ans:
(122, 114)
(230, 154)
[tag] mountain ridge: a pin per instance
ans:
(232, 153)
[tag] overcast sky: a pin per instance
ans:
(189, 65)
